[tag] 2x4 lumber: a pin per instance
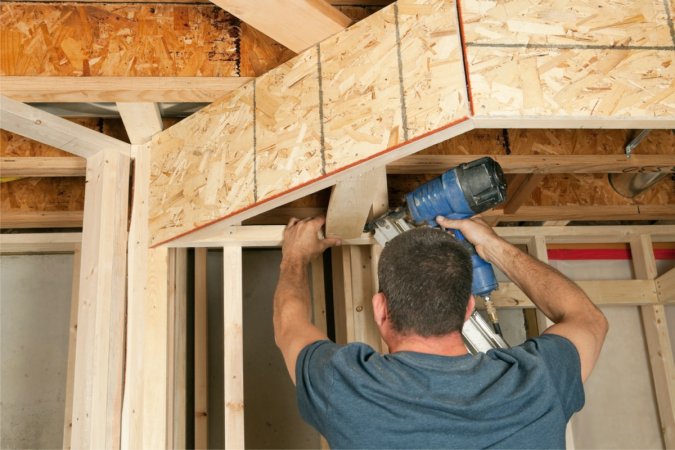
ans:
(304, 23)
(524, 65)
(272, 235)
(233, 347)
(141, 120)
(358, 100)
(72, 343)
(318, 294)
(201, 352)
(350, 202)
(99, 359)
(119, 89)
(657, 337)
(601, 292)
(41, 219)
(665, 287)
(584, 212)
(522, 193)
(49, 129)
(540, 164)
(39, 242)
(42, 166)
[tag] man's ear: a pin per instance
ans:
(379, 308)
(469, 308)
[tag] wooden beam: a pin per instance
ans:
(346, 106)
(118, 89)
(584, 213)
(41, 219)
(49, 129)
(523, 193)
(665, 286)
(99, 359)
(657, 338)
(601, 292)
(233, 347)
(39, 242)
(72, 343)
(350, 202)
(318, 294)
(541, 164)
(201, 401)
(36, 166)
(305, 23)
(141, 120)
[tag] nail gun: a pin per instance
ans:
(459, 193)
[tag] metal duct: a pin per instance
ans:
(632, 184)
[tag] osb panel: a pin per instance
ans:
(553, 58)
(432, 68)
(117, 40)
(43, 194)
(202, 167)
(556, 22)
(288, 150)
(572, 82)
(15, 145)
(481, 141)
(594, 190)
(361, 93)
(260, 54)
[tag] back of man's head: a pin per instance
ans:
(425, 274)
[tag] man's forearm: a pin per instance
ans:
(291, 298)
(552, 292)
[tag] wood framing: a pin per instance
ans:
(305, 23)
(141, 120)
(99, 359)
(658, 340)
(39, 242)
(72, 343)
(36, 166)
(118, 89)
(350, 202)
(665, 287)
(201, 376)
(47, 128)
(233, 347)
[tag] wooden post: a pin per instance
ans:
(99, 359)
(233, 347)
(72, 342)
(201, 352)
(657, 339)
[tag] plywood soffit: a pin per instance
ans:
(394, 84)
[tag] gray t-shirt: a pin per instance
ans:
(507, 398)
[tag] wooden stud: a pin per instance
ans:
(39, 242)
(72, 343)
(36, 166)
(665, 287)
(350, 203)
(305, 23)
(233, 347)
(523, 193)
(584, 212)
(318, 294)
(41, 219)
(201, 352)
(658, 341)
(97, 402)
(118, 89)
(49, 129)
(141, 120)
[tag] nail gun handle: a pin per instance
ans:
(484, 279)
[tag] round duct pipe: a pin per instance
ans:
(631, 184)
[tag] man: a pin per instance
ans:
(429, 392)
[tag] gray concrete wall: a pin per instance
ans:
(34, 322)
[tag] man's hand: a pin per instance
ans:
(302, 241)
(476, 231)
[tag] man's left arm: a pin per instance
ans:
(293, 329)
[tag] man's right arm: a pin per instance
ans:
(574, 316)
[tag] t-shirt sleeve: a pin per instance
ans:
(314, 376)
(562, 360)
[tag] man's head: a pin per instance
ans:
(425, 275)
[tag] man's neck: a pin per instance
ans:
(447, 345)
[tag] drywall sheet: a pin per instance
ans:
(392, 78)
(548, 59)
(35, 298)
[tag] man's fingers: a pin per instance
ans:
(330, 242)
(292, 222)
